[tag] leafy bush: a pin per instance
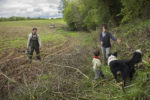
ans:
(71, 16)
(133, 9)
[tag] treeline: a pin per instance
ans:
(19, 18)
(89, 14)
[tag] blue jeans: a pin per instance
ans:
(106, 52)
(98, 74)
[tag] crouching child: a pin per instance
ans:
(97, 65)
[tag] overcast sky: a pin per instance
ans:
(28, 8)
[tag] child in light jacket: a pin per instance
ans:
(97, 65)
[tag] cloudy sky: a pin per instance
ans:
(29, 8)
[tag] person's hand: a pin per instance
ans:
(101, 43)
(118, 40)
(40, 47)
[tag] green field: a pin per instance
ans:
(15, 33)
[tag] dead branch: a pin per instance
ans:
(44, 91)
(144, 61)
(127, 45)
(74, 69)
(118, 85)
(59, 95)
(11, 80)
(121, 86)
(129, 86)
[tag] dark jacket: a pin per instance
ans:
(34, 41)
(106, 39)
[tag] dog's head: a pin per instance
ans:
(112, 57)
(137, 56)
(115, 54)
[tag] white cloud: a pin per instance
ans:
(28, 8)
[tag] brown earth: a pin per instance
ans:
(14, 64)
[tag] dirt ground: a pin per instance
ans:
(14, 62)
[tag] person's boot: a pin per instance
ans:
(39, 58)
(30, 59)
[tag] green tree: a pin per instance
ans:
(72, 16)
(133, 9)
(88, 14)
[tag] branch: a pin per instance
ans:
(129, 86)
(8, 77)
(121, 87)
(74, 69)
(144, 61)
(127, 45)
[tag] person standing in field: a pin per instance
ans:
(105, 37)
(34, 43)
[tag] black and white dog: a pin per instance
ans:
(126, 67)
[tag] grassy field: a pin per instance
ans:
(65, 72)
(14, 33)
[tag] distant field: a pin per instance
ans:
(15, 33)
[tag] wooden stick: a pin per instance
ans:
(129, 86)
(118, 85)
(144, 61)
(59, 95)
(74, 69)
(12, 80)
(127, 45)
(121, 87)
(44, 91)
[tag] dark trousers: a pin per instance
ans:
(31, 50)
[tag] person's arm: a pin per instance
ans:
(100, 39)
(28, 42)
(112, 37)
(39, 40)
(94, 65)
(115, 39)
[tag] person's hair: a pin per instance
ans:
(104, 25)
(34, 29)
(96, 52)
